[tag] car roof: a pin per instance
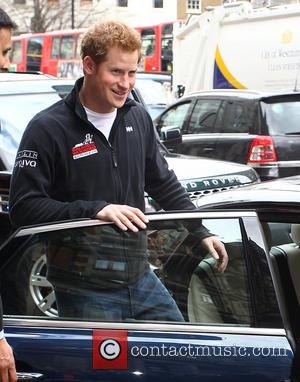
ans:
(156, 76)
(28, 83)
(243, 93)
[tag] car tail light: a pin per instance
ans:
(262, 150)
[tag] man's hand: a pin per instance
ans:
(217, 250)
(7, 363)
(124, 217)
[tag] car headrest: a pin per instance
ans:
(295, 233)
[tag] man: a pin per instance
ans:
(7, 363)
(93, 154)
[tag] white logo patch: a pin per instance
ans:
(26, 158)
(129, 129)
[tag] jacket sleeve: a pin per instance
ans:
(32, 187)
(163, 186)
(1, 320)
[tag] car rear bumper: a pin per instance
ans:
(276, 169)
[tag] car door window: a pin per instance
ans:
(239, 117)
(204, 116)
(175, 116)
(86, 265)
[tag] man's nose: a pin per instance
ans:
(124, 81)
(4, 62)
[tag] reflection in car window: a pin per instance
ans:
(175, 116)
(91, 268)
(204, 116)
(282, 117)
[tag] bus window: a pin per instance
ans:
(16, 52)
(67, 49)
(148, 41)
(55, 47)
(34, 53)
(167, 48)
(78, 45)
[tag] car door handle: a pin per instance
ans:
(208, 149)
(29, 376)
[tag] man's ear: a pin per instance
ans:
(89, 66)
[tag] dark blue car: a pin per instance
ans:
(239, 325)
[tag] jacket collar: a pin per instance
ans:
(73, 101)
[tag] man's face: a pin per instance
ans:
(112, 80)
(5, 46)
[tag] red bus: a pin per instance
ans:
(58, 53)
(157, 42)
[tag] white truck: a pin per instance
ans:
(237, 46)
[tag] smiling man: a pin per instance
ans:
(94, 155)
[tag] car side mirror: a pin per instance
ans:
(170, 136)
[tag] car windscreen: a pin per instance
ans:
(15, 113)
(282, 116)
(153, 92)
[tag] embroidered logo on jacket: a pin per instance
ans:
(129, 129)
(26, 158)
(84, 149)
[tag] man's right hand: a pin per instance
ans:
(124, 217)
(7, 363)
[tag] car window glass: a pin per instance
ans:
(148, 41)
(282, 117)
(34, 53)
(153, 92)
(55, 47)
(203, 116)
(16, 52)
(83, 274)
(239, 117)
(283, 241)
(175, 116)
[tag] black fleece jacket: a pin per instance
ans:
(65, 168)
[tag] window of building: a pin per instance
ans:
(122, 3)
(158, 3)
(193, 5)
(53, 2)
(84, 3)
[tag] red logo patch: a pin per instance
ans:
(110, 349)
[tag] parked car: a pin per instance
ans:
(244, 126)
(242, 324)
